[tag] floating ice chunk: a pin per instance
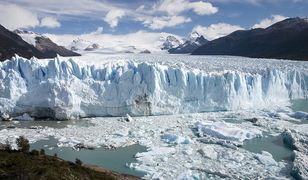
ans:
(128, 118)
(266, 158)
(208, 152)
(5, 117)
(299, 115)
(188, 151)
(187, 175)
(153, 151)
(24, 117)
(226, 131)
(122, 132)
(175, 139)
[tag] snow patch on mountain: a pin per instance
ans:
(28, 36)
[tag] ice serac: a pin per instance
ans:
(64, 89)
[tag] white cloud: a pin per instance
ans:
(269, 21)
(160, 12)
(113, 16)
(175, 7)
(165, 21)
(50, 22)
(14, 17)
(254, 2)
(203, 8)
(154, 17)
(86, 8)
(98, 31)
(215, 31)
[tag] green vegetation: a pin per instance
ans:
(78, 162)
(22, 164)
(23, 144)
(42, 152)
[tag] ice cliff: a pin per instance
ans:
(65, 89)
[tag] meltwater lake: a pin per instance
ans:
(115, 159)
(119, 159)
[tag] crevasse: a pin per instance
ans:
(63, 89)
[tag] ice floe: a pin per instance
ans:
(174, 150)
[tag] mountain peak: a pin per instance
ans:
(194, 41)
(170, 42)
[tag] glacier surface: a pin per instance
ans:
(64, 88)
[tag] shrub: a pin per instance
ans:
(42, 152)
(7, 146)
(23, 144)
(34, 152)
(78, 162)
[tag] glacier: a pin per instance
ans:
(64, 88)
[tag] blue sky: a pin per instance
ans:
(127, 16)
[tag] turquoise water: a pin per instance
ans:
(299, 105)
(271, 144)
(114, 160)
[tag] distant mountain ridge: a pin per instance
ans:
(11, 44)
(191, 44)
(287, 39)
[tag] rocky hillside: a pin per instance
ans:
(44, 44)
(11, 44)
(287, 39)
(39, 46)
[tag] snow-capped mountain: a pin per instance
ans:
(44, 44)
(12, 44)
(192, 43)
(80, 44)
(92, 47)
(170, 42)
(136, 42)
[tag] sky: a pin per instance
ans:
(211, 18)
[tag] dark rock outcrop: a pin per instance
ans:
(51, 49)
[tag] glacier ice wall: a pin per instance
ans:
(64, 89)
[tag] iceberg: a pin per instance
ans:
(63, 88)
(226, 131)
